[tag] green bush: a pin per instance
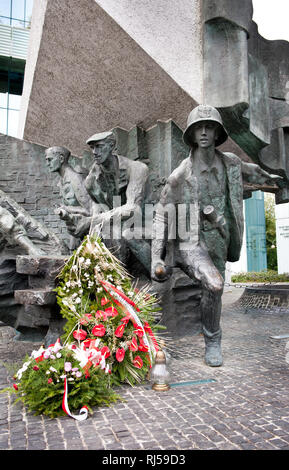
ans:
(263, 276)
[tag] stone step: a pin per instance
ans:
(35, 297)
(41, 266)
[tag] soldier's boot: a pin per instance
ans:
(213, 352)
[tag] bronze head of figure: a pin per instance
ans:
(55, 157)
(204, 128)
(102, 146)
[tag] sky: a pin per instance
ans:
(272, 18)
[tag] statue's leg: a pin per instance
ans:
(197, 263)
(142, 251)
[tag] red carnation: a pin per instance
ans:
(104, 301)
(126, 319)
(111, 311)
(98, 330)
(39, 358)
(133, 345)
(142, 347)
(100, 314)
(49, 380)
(84, 320)
(139, 331)
(105, 352)
(86, 342)
(119, 331)
(35, 368)
(120, 354)
(137, 362)
(15, 386)
(79, 334)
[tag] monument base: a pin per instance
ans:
(273, 298)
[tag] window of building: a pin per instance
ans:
(11, 85)
(16, 13)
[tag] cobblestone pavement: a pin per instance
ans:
(242, 405)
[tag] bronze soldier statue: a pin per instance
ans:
(76, 201)
(113, 177)
(210, 182)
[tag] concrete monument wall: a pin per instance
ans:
(97, 65)
(91, 75)
(25, 178)
(169, 32)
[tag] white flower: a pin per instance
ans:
(68, 283)
(23, 369)
(57, 347)
(81, 355)
(53, 369)
(37, 353)
(78, 300)
(58, 355)
(67, 366)
(48, 372)
(81, 259)
(102, 363)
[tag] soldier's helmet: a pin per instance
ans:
(204, 113)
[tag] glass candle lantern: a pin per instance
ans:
(160, 375)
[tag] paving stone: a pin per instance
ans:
(246, 408)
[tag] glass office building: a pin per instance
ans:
(15, 19)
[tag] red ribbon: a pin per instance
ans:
(83, 413)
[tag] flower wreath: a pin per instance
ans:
(110, 337)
